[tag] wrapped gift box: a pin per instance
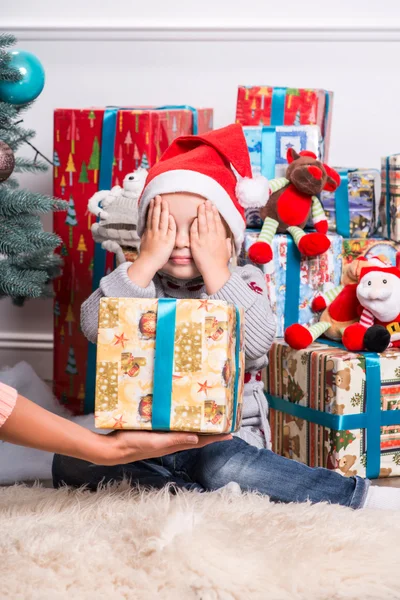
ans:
(268, 148)
(356, 201)
(389, 209)
(313, 276)
(354, 248)
(194, 384)
(336, 385)
(268, 105)
(94, 149)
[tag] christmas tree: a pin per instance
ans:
(91, 118)
(145, 163)
(27, 259)
(71, 219)
(83, 175)
(341, 439)
(94, 161)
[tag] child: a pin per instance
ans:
(192, 222)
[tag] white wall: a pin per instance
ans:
(197, 53)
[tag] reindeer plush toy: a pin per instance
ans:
(293, 200)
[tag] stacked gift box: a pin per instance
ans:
(202, 350)
(319, 410)
(93, 150)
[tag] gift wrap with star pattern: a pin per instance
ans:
(331, 380)
(203, 372)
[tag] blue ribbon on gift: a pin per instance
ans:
(292, 294)
(388, 215)
(105, 181)
(371, 420)
(268, 152)
(278, 106)
(342, 207)
(164, 362)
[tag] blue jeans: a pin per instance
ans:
(212, 467)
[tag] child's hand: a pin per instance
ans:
(156, 244)
(158, 239)
(210, 247)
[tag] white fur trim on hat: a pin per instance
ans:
(253, 192)
(193, 182)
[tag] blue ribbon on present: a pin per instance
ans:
(292, 295)
(268, 152)
(164, 363)
(278, 106)
(388, 215)
(237, 370)
(371, 420)
(342, 207)
(105, 181)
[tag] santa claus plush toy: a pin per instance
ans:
(378, 292)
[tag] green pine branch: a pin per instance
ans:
(11, 183)
(7, 39)
(8, 112)
(16, 282)
(16, 137)
(16, 240)
(24, 165)
(39, 260)
(13, 202)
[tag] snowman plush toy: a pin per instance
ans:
(117, 209)
(378, 293)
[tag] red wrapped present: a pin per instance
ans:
(268, 105)
(94, 149)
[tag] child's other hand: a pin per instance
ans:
(158, 239)
(210, 247)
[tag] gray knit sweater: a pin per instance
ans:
(246, 288)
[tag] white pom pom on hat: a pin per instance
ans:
(253, 192)
(215, 165)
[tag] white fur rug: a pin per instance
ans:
(122, 545)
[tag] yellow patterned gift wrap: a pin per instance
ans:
(204, 366)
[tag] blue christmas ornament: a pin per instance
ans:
(32, 82)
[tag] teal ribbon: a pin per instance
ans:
(268, 152)
(163, 364)
(99, 263)
(371, 420)
(326, 112)
(237, 370)
(278, 106)
(108, 134)
(292, 295)
(342, 207)
(388, 215)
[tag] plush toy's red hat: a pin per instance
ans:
(215, 165)
(391, 270)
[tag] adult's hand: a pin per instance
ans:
(129, 446)
(32, 426)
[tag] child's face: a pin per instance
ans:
(183, 208)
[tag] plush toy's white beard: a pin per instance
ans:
(383, 309)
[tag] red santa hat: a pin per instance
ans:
(387, 270)
(215, 165)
